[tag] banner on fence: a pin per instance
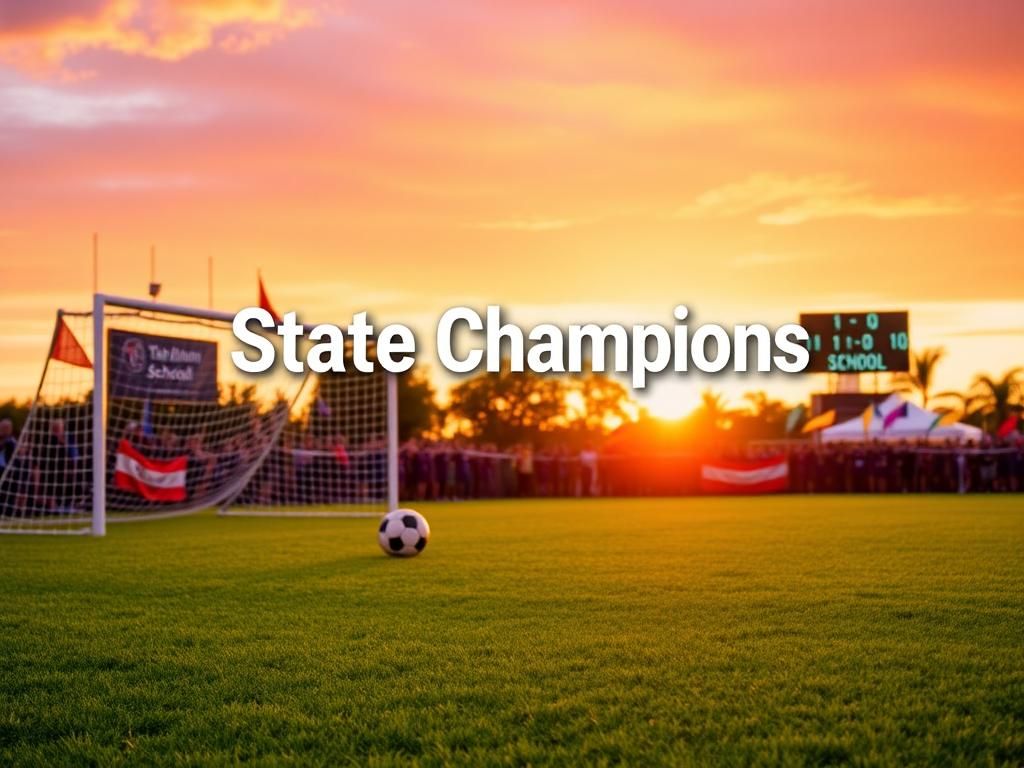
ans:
(751, 476)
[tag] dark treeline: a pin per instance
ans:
(508, 409)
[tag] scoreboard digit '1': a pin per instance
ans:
(857, 342)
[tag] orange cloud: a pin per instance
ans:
(44, 35)
(785, 200)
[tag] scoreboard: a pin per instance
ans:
(857, 342)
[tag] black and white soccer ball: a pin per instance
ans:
(403, 533)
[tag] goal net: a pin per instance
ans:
(337, 455)
(140, 414)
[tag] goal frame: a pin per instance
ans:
(101, 302)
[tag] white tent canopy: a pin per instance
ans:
(914, 426)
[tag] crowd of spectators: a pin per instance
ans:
(441, 470)
(906, 467)
(51, 475)
(303, 469)
(459, 469)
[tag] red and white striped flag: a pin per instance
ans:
(149, 478)
(755, 476)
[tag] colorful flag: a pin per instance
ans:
(265, 300)
(892, 416)
(827, 419)
(1007, 427)
(759, 476)
(867, 416)
(149, 478)
(944, 420)
(793, 418)
(66, 347)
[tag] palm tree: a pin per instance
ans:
(763, 418)
(996, 399)
(764, 408)
(713, 410)
(922, 373)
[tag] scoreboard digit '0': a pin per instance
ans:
(857, 342)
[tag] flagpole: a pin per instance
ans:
(95, 263)
(154, 286)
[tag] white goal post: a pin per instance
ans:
(139, 415)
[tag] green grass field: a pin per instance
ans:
(685, 631)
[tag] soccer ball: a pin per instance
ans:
(403, 533)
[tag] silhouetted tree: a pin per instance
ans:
(418, 412)
(922, 373)
(506, 408)
(995, 399)
(764, 418)
(713, 413)
(16, 411)
(596, 404)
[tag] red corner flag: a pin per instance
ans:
(66, 347)
(1007, 427)
(265, 300)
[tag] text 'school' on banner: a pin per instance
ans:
(161, 367)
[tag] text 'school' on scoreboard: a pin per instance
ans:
(857, 342)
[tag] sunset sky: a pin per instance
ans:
(572, 161)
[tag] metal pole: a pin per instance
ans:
(99, 434)
(392, 406)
